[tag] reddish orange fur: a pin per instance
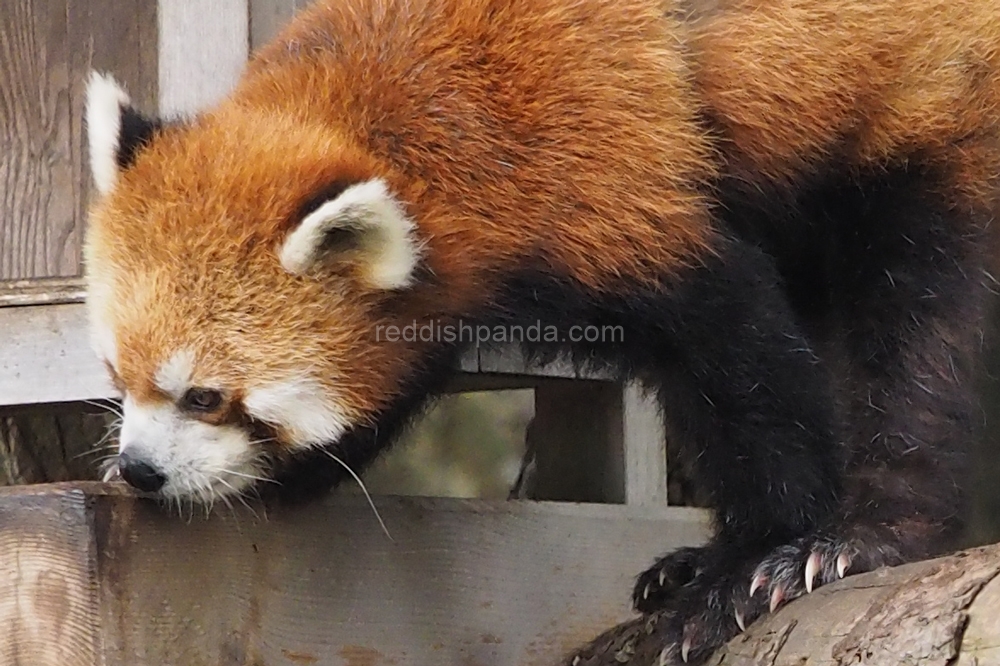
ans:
(790, 80)
(504, 127)
(490, 150)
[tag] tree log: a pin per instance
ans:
(934, 613)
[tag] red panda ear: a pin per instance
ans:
(364, 221)
(115, 131)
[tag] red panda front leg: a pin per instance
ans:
(745, 397)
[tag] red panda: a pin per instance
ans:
(782, 203)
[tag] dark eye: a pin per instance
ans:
(202, 400)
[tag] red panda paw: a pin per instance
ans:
(694, 600)
(700, 616)
(799, 568)
(824, 557)
(657, 585)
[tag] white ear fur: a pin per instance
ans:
(106, 101)
(384, 233)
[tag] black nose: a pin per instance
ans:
(140, 475)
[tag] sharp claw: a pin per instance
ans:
(645, 592)
(813, 565)
(663, 576)
(757, 582)
(664, 658)
(740, 621)
(777, 596)
(576, 660)
(685, 649)
(843, 562)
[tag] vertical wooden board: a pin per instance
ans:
(116, 37)
(48, 596)
(203, 49)
(576, 439)
(462, 582)
(644, 447)
(37, 211)
(46, 50)
(267, 17)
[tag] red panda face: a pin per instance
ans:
(233, 290)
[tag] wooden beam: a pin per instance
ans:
(644, 448)
(45, 356)
(90, 575)
(267, 17)
(203, 50)
(42, 291)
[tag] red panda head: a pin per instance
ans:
(237, 323)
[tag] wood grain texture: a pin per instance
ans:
(45, 356)
(46, 49)
(48, 593)
(462, 582)
(644, 447)
(42, 291)
(268, 16)
(52, 443)
(203, 48)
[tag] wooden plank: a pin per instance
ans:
(37, 208)
(48, 595)
(202, 51)
(576, 441)
(267, 17)
(64, 442)
(644, 446)
(42, 291)
(45, 356)
(46, 49)
(462, 581)
(509, 358)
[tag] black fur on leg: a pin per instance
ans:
(740, 385)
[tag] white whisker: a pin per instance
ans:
(363, 489)
(239, 496)
(248, 476)
(110, 406)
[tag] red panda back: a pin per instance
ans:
(506, 121)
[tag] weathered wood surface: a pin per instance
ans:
(595, 441)
(46, 49)
(42, 291)
(203, 47)
(943, 612)
(45, 356)
(52, 443)
(267, 17)
(90, 575)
